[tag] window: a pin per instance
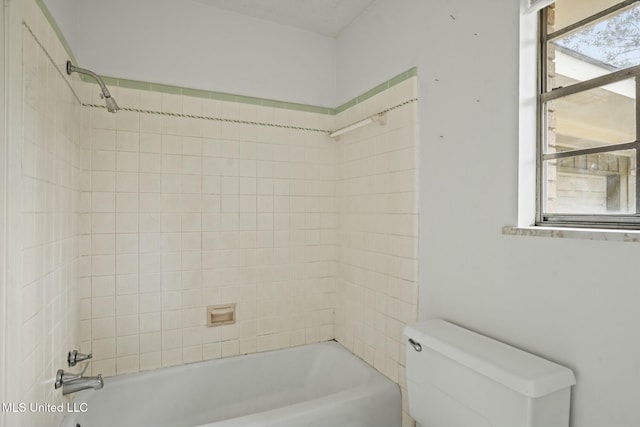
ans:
(589, 114)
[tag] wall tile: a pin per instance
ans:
(50, 241)
(376, 283)
(312, 238)
(186, 185)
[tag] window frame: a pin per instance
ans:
(615, 221)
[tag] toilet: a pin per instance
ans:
(458, 378)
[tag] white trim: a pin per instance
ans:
(531, 6)
(527, 126)
(3, 210)
(580, 70)
(605, 235)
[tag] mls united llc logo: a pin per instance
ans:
(33, 407)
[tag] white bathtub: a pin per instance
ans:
(319, 385)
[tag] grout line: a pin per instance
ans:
(217, 119)
(52, 61)
(237, 121)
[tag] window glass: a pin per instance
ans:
(602, 183)
(601, 116)
(610, 44)
(589, 131)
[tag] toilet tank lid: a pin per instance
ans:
(522, 372)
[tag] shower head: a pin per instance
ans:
(112, 106)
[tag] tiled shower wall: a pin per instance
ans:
(180, 212)
(377, 222)
(50, 171)
(186, 202)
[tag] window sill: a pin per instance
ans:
(574, 233)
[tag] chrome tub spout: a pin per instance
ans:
(72, 383)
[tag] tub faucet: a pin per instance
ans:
(74, 357)
(72, 383)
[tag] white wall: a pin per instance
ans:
(379, 44)
(572, 301)
(197, 46)
(579, 310)
(65, 12)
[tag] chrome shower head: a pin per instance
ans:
(112, 106)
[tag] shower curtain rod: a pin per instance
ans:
(379, 117)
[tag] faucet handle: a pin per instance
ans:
(74, 357)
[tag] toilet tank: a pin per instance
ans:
(458, 378)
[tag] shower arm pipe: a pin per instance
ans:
(73, 69)
(112, 105)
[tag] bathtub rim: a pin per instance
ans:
(376, 380)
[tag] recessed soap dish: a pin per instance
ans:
(224, 314)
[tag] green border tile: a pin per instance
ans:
(197, 93)
(322, 110)
(372, 92)
(173, 90)
(398, 79)
(296, 107)
(47, 14)
(412, 72)
(272, 103)
(228, 97)
(224, 96)
(346, 105)
(134, 84)
(220, 96)
(248, 100)
(110, 81)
